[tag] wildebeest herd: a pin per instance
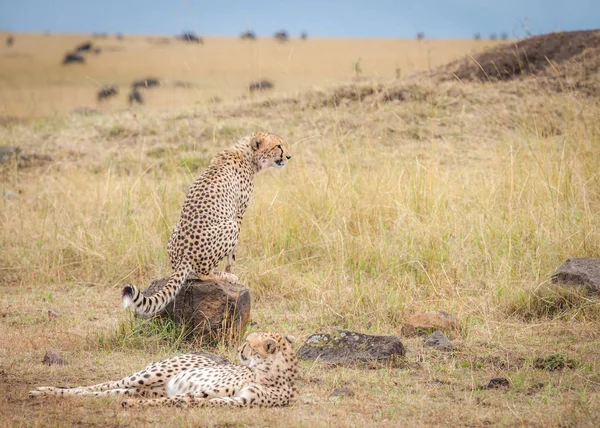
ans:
(78, 56)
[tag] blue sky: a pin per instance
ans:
(319, 18)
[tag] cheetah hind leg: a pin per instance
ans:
(222, 276)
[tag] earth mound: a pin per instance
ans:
(539, 55)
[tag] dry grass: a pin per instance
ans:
(462, 197)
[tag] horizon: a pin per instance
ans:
(380, 19)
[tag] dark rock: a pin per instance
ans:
(579, 272)
(207, 309)
(554, 362)
(52, 357)
(342, 392)
(438, 340)
(347, 347)
(497, 383)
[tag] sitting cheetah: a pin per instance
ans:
(266, 378)
(211, 216)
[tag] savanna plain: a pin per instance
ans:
(407, 192)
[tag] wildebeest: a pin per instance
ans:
(248, 35)
(188, 36)
(148, 82)
(135, 96)
(109, 91)
(281, 36)
(72, 58)
(83, 47)
(260, 85)
(10, 40)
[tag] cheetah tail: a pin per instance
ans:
(151, 305)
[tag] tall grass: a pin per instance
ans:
(358, 229)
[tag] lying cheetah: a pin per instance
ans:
(266, 378)
(211, 217)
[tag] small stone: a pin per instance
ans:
(53, 314)
(52, 357)
(342, 392)
(583, 272)
(439, 341)
(439, 320)
(10, 194)
(497, 383)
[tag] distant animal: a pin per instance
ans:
(119, 36)
(188, 36)
(248, 35)
(73, 58)
(10, 40)
(83, 47)
(107, 92)
(303, 35)
(211, 218)
(96, 51)
(148, 82)
(135, 96)
(265, 378)
(281, 36)
(260, 85)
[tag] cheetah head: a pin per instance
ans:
(269, 150)
(260, 348)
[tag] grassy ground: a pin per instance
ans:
(463, 197)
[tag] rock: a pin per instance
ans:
(346, 347)
(52, 357)
(439, 320)
(579, 272)
(53, 314)
(10, 194)
(7, 152)
(438, 340)
(497, 383)
(342, 392)
(207, 309)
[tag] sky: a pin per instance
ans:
(319, 18)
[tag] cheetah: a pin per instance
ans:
(265, 378)
(211, 217)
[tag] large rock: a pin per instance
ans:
(439, 341)
(346, 347)
(579, 272)
(207, 309)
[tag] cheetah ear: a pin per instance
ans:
(290, 338)
(255, 143)
(270, 346)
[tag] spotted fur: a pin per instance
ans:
(265, 378)
(211, 218)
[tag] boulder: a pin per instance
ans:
(343, 346)
(438, 340)
(208, 310)
(584, 272)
